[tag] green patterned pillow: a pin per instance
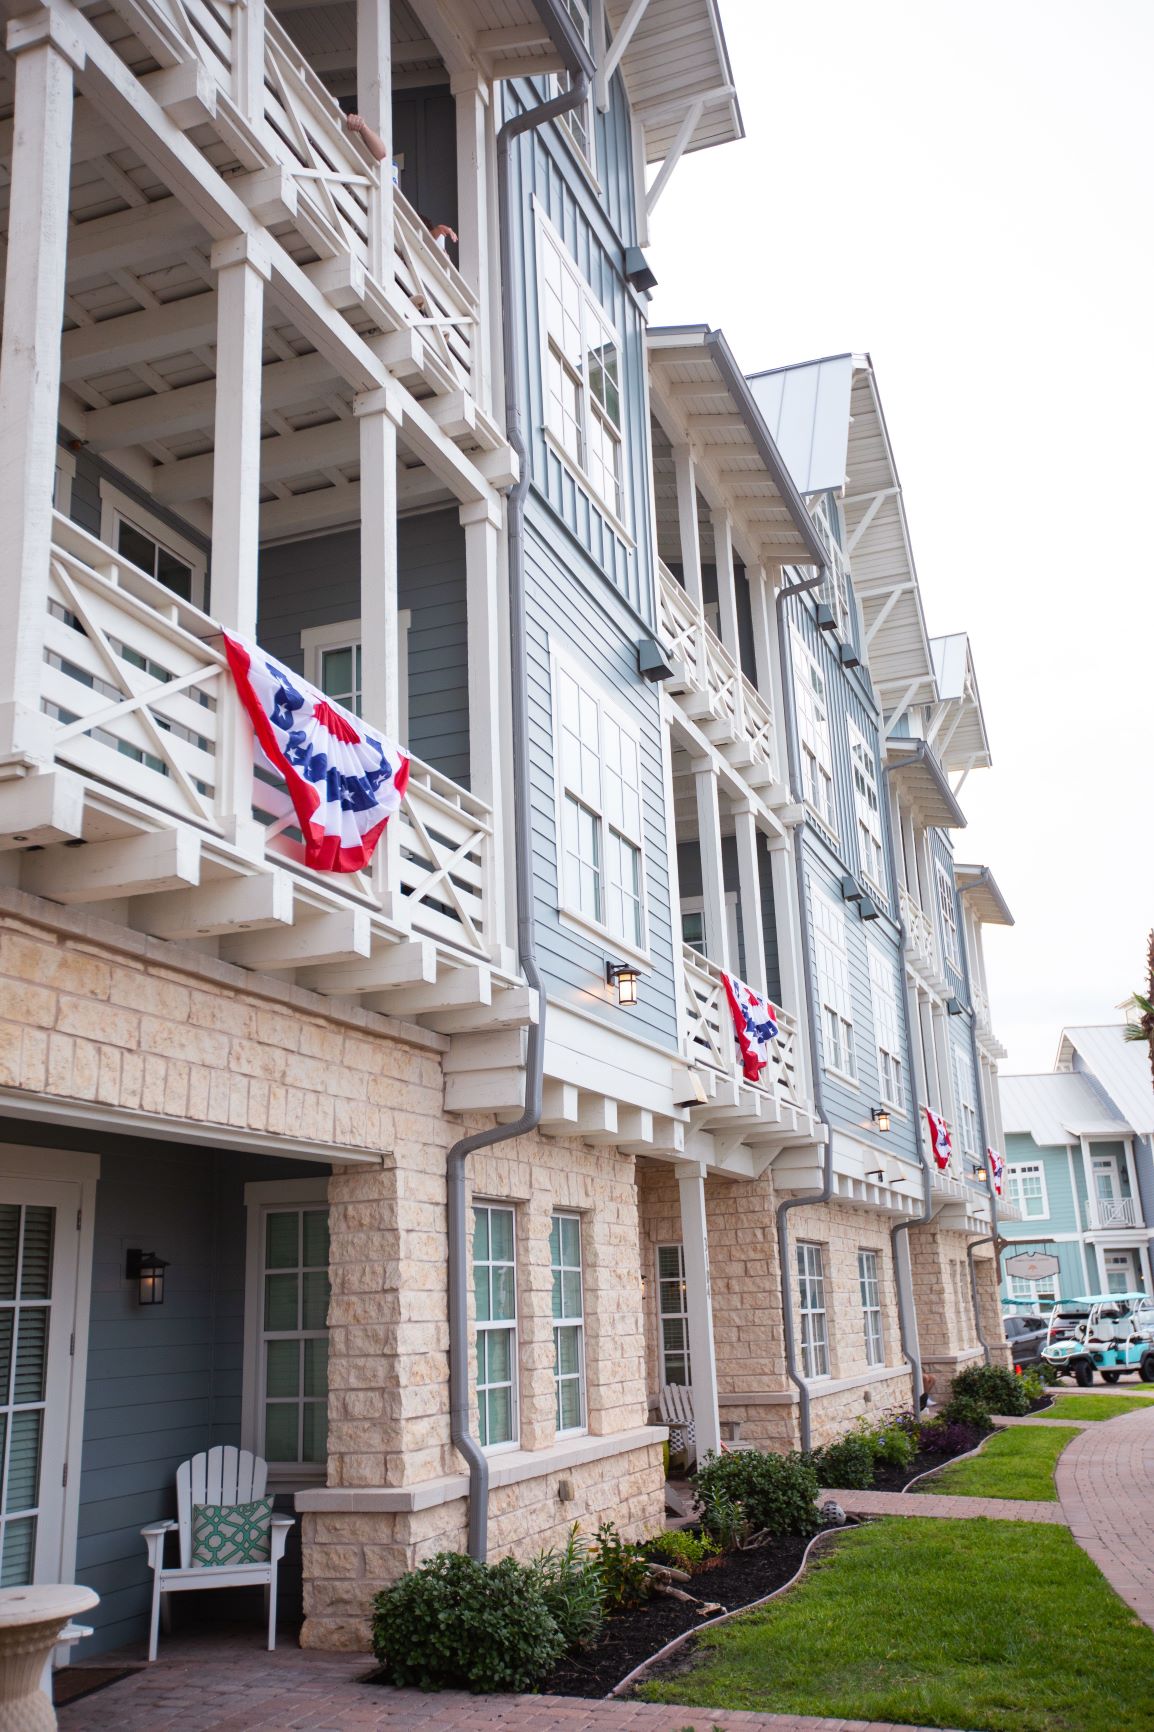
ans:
(233, 1533)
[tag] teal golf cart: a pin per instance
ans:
(1112, 1333)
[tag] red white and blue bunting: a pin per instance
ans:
(940, 1142)
(345, 781)
(754, 1023)
(997, 1169)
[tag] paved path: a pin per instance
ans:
(232, 1685)
(1006, 1509)
(1044, 1419)
(1105, 1481)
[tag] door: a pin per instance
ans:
(1121, 1272)
(38, 1265)
(1108, 1191)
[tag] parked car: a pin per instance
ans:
(1026, 1335)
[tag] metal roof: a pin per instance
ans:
(961, 742)
(807, 411)
(979, 885)
(1120, 1067)
(1056, 1108)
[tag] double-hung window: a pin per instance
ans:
(1026, 1188)
(833, 983)
(578, 122)
(582, 362)
(887, 1030)
(568, 1321)
(948, 908)
(294, 1346)
(867, 809)
(811, 1305)
(967, 1111)
(674, 1313)
(148, 542)
(869, 1285)
(814, 731)
(600, 818)
(495, 1292)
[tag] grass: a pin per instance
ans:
(1016, 1462)
(992, 1626)
(1095, 1406)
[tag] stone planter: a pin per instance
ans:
(31, 1620)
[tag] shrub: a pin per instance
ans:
(943, 1437)
(967, 1410)
(890, 1438)
(683, 1549)
(625, 1580)
(848, 1464)
(725, 1522)
(1049, 1374)
(459, 1624)
(996, 1387)
(774, 1493)
(571, 1586)
(1033, 1386)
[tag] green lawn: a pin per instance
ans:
(937, 1623)
(1094, 1406)
(1016, 1462)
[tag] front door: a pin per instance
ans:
(1121, 1272)
(38, 1265)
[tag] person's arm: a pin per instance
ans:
(374, 143)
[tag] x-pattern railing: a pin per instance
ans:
(710, 670)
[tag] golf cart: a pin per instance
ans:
(1108, 1332)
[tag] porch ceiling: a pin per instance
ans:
(677, 55)
(965, 743)
(922, 783)
(978, 885)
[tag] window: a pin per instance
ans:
(582, 364)
(294, 1347)
(871, 1306)
(887, 1030)
(1026, 1188)
(332, 661)
(813, 732)
(674, 1314)
(152, 546)
(811, 1303)
(495, 1291)
(833, 986)
(568, 1322)
(27, 1235)
(62, 483)
(601, 872)
(835, 590)
(693, 926)
(947, 907)
(967, 1112)
(578, 123)
(1105, 1178)
(867, 809)
(1121, 1273)
(1036, 1292)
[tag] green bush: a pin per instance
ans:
(774, 1493)
(459, 1624)
(1033, 1386)
(996, 1387)
(1049, 1374)
(625, 1579)
(848, 1464)
(571, 1586)
(682, 1548)
(890, 1439)
(966, 1410)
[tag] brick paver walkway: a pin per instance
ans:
(1105, 1481)
(1044, 1419)
(1006, 1509)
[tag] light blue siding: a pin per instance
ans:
(1062, 1198)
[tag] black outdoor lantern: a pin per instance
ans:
(147, 1270)
(881, 1118)
(625, 978)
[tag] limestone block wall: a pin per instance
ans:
(947, 1332)
(990, 1302)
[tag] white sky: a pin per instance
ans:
(964, 190)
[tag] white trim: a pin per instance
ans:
(809, 1273)
(867, 819)
(260, 1195)
(884, 989)
(868, 1311)
(814, 730)
(1012, 1170)
(512, 1324)
(565, 1322)
(834, 985)
(116, 506)
(680, 1316)
(65, 476)
(315, 639)
(948, 900)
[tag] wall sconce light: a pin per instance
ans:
(638, 271)
(826, 618)
(954, 1007)
(848, 656)
(147, 1270)
(980, 1176)
(881, 1118)
(625, 977)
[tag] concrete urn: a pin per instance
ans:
(31, 1620)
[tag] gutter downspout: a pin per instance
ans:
(993, 1236)
(459, 1431)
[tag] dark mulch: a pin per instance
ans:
(897, 1478)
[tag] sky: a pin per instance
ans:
(964, 190)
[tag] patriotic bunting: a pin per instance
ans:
(997, 1168)
(344, 780)
(754, 1023)
(940, 1142)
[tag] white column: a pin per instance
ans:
(248, 87)
(790, 961)
(749, 897)
(699, 1305)
(712, 868)
(488, 666)
(471, 96)
(379, 413)
(30, 371)
(764, 633)
(913, 1000)
(375, 102)
(726, 582)
(242, 270)
(686, 473)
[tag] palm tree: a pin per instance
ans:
(1143, 1007)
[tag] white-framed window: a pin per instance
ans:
(967, 1116)
(148, 542)
(1043, 1292)
(332, 661)
(869, 1285)
(814, 732)
(835, 590)
(582, 371)
(884, 991)
(948, 909)
(1122, 1273)
(1026, 1189)
(568, 1322)
(495, 1295)
(1105, 1170)
(693, 925)
(867, 809)
(599, 818)
(811, 1306)
(578, 123)
(673, 1312)
(833, 985)
(286, 1327)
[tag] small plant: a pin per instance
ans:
(967, 1410)
(625, 1579)
(459, 1624)
(773, 1493)
(684, 1549)
(890, 1438)
(1049, 1374)
(725, 1522)
(942, 1437)
(848, 1464)
(1033, 1386)
(996, 1387)
(570, 1582)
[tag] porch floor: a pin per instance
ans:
(218, 1682)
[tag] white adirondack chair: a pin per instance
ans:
(222, 1476)
(675, 1406)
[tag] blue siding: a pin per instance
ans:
(942, 853)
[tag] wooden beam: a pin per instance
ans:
(515, 1007)
(265, 899)
(409, 964)
(102, 871)
(498, 1090)
(281, 457)
(37, 810)
(143, 239)
(192, 408)
(454, 988)
(559, 1109)
(146, 336)
(343, 935)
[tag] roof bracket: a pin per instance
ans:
(675, 152)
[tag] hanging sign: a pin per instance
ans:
(1032, 1265)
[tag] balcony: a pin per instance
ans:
(152, 770)
(921, 951)
(712, 690)
(1113, 1214)
(778, 1102)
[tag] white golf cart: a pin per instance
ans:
(1108, 1332)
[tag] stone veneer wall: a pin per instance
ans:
(947, 1332)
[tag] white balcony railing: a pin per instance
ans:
(137, 681)
(835, 590)
(709, 1037)
(919, 932)
(1116, 1212)
(721, 697)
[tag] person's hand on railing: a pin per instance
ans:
(373, 142)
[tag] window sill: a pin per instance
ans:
(585, 483)
(842, 1076)
(602, 935)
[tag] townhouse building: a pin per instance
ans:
(1079, 1166)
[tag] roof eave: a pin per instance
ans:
(941, 806)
